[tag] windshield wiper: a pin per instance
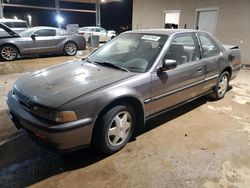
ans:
(112, 65)
(89, 61)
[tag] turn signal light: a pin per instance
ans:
(65, 116)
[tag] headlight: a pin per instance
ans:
(53, 115)
(65, 116)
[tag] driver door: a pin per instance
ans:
(186, 81)
(44, 41)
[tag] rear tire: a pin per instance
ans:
(114, 129)
(8, 53)
(221, 86)
(70, 49)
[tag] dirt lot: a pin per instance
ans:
(201, 144)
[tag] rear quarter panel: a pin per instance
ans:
(233, 57)
(78, 39)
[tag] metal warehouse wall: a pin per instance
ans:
(233, 23)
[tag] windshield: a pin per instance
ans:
(131, 51)
(27, 32)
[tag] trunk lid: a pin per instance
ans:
(8, 30)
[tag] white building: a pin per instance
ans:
(227, 20)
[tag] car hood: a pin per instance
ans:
(8, 30)
(58, 85)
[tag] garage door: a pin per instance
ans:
(206, 20)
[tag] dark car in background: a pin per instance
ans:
(103, 99)
(39, 40)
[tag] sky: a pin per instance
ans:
(113, 15)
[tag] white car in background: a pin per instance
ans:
(15, 25)
(104, 35)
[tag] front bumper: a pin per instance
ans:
(64, 137)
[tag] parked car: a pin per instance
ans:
(104, 35)
(103, 99)
(14, 24)
(39, 40)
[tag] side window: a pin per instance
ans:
(209, 46)
(102, 30)
(9, 24)
(183, 49)
(46, 32)
(97, 30)
(20, 25)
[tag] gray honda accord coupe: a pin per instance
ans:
(104, 99)
(39, 40)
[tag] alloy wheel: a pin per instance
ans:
(222, 86)
(119, 128)
(8, 53)
(71, 49)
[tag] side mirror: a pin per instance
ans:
(167, 64)
(33, 36)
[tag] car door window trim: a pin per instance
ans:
(196, 46)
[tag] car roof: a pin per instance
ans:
(89, 27)
(163, 31)
(11, 20)
(43, 27)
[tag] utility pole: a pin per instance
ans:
(59, 18)
(1, 8)
(57, 5)
(98, 13)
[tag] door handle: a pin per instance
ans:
(200, 70)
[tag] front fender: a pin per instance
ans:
(91, 105)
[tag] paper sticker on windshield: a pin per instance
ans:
(151, 37)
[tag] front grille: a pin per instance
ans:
(23, 100)
(37, 110)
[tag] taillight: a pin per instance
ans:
(81, 33)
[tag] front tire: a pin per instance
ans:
(221, 86)
(8, 53)
(70, 49)
(114, 129)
